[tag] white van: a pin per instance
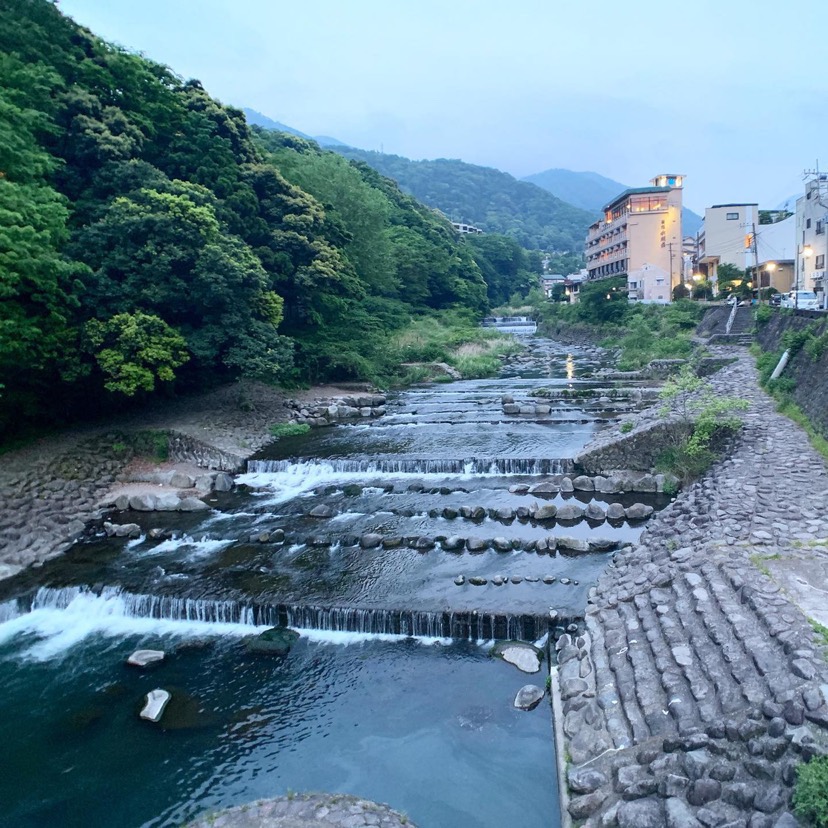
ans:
(801, 299)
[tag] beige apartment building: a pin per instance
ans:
(639, 237)
(725, 238)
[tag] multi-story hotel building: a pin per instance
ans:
(639, 236)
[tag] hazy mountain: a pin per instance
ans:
(490, 199)
(257, 119)
(591, 191)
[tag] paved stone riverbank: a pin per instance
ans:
(699, 684)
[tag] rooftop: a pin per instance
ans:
(636, 191)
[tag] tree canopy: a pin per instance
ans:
(149, 239)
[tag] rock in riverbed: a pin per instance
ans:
(524, 656)
(143, 658)
(154, 704)
(275, 641)
(528, 697)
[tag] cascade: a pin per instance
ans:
(472, 625)
(492, 466)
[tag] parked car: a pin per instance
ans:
(776, 300)
(802, 299)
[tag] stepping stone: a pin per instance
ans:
(143, 658)
(155, 703)
(546, 512)
(523, 656)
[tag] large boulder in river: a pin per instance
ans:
(322, 510)
(142, 502)
(511, 408)
(528, 697)
(570, 511)
(582, 483)
(476, 544)
(547, 487)
(223, 482)
(546, 512)
(122, 530)
(275, 641)
(615, 511)
(168, 502)
(525, 657)
(638, 511)
(454, 543)
(595, 512)
(192, 504)
(371, 540)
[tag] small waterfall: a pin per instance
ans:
(471, 624)
(499, 466)
(9, 610)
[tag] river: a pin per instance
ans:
(398, 548)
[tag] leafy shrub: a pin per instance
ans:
(763, 315)
(810, 798)
(816, 347)
(280, 430)
(627, 427)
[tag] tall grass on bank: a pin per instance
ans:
(473, 351)
(782, 390)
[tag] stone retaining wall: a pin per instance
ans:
(810, 376)
(698, 685)
(187, 449)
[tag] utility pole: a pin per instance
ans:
(756, 263)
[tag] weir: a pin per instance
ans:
(469, 466)
(470, 625)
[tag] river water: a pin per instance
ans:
(390, 692)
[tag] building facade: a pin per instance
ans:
(811, 237)
(639, 237)
(726, 238)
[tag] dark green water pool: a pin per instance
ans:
(427, 727)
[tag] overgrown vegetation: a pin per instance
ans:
(471, 350)
(810, 797)
(782, 388)
(641, 332)
(279, 430)
(706, 420)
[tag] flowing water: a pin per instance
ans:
(389, 693)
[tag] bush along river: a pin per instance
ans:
(400, 550)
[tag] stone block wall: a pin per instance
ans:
(187, 449)
(810, 376)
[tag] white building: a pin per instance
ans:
(811, 238)
(725, 238)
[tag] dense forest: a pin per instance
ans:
(488, 198)
(149, 239)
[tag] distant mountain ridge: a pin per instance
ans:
(591, 191)
(258, 119)
(490, 199)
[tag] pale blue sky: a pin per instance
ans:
(729, 92)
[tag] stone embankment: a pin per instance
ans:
(322, 412)
(698, 685)
(51, 489)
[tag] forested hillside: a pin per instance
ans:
(148, 239)
(493, 200)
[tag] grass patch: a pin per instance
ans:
(821, 631)
(810, 796)
(760, 562)
(627, 427)
(280, 430)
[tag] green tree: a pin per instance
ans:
(133, 350)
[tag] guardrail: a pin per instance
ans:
(731, 319)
